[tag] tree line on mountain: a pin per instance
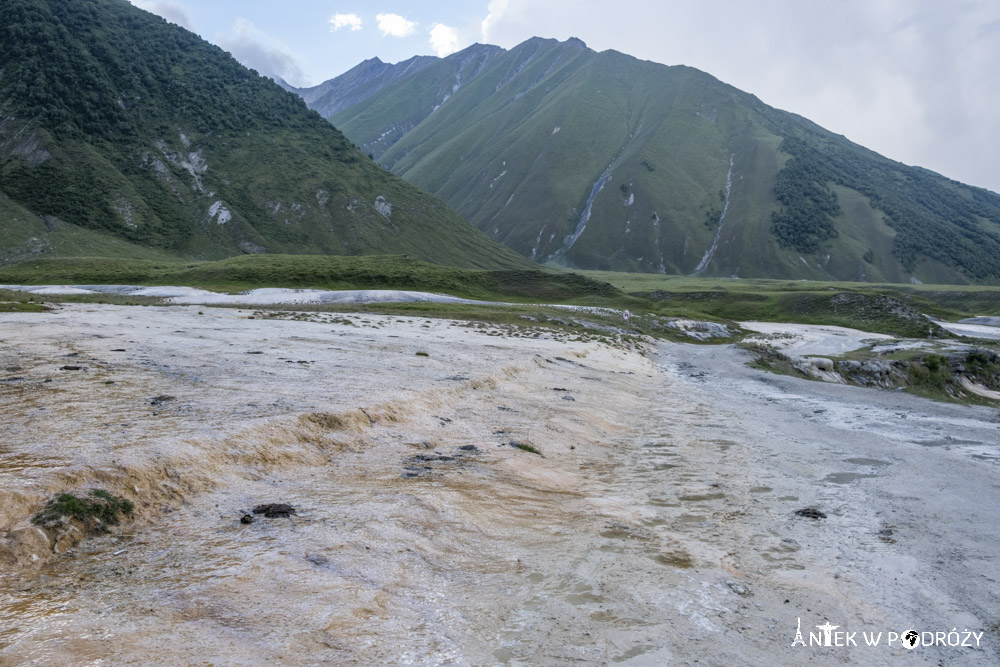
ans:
(102, 70)
(955, 224)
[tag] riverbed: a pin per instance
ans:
(655, 521)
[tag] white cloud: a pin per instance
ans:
(350, 21)
(168, 10)
(256, 50)
(496, 9)
(444, 40)
(394, 25)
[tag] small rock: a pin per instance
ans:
(740, 589)
(469, 448)
(162, 398)
(71, 368)
(246, 518)
(810, 513)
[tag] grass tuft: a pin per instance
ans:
(100, 509)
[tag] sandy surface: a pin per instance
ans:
(659, 526)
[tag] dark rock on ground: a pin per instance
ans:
(810, 513)
(162, 398)
(274, 510)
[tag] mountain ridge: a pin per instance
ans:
(601, 160)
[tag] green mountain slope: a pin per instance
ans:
(123, 135)
(603, 161)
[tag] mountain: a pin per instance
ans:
(358, 84)
(123, 135)
(600, 160)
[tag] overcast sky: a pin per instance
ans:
(915, 80)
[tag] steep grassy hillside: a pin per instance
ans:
(123, 135)
(603, 161)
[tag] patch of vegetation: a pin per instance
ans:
(97, 511)
(809, 205)
(38, 302)
(766, 358)
(422, 354)
(526, 447)
(22, 307)
(931, 373)
(940, 377)
(983, 366)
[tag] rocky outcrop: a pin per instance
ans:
(880, 373)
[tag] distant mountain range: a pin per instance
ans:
(600, 160)
(123, 135)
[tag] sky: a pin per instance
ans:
(914, 80)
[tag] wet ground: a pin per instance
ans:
(658, 525)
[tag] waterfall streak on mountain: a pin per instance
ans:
(598, 186)
(703, 264)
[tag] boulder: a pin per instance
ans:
(822, 364)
